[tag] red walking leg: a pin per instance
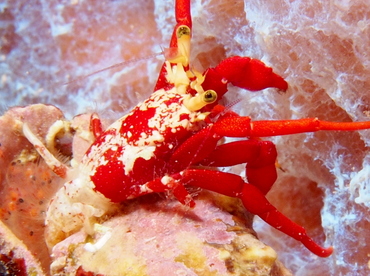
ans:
(193, 150)
(254, 201)
(172, 184)
(260, 157)
(244, 127)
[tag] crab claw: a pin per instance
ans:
(244, 72)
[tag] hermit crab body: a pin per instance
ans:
(172, 140)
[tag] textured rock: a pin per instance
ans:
(152, 236)
(321, 47)
(27, 184)
(15, 258)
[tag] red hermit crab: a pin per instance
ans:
(174, 136)
(195, 145)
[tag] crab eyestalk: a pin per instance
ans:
(182, 52)
(200, 100)
(183, 18)
(179, 51)
(181, 36)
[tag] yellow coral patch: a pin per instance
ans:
(193, 255)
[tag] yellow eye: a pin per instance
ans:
(183, 30)
(210, 96)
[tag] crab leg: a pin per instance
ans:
(202, 149)
(254, 201)
(244, 127)
(234, 186)
(58, 167)
(260, 157)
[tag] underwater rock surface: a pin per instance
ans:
(320, 47)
